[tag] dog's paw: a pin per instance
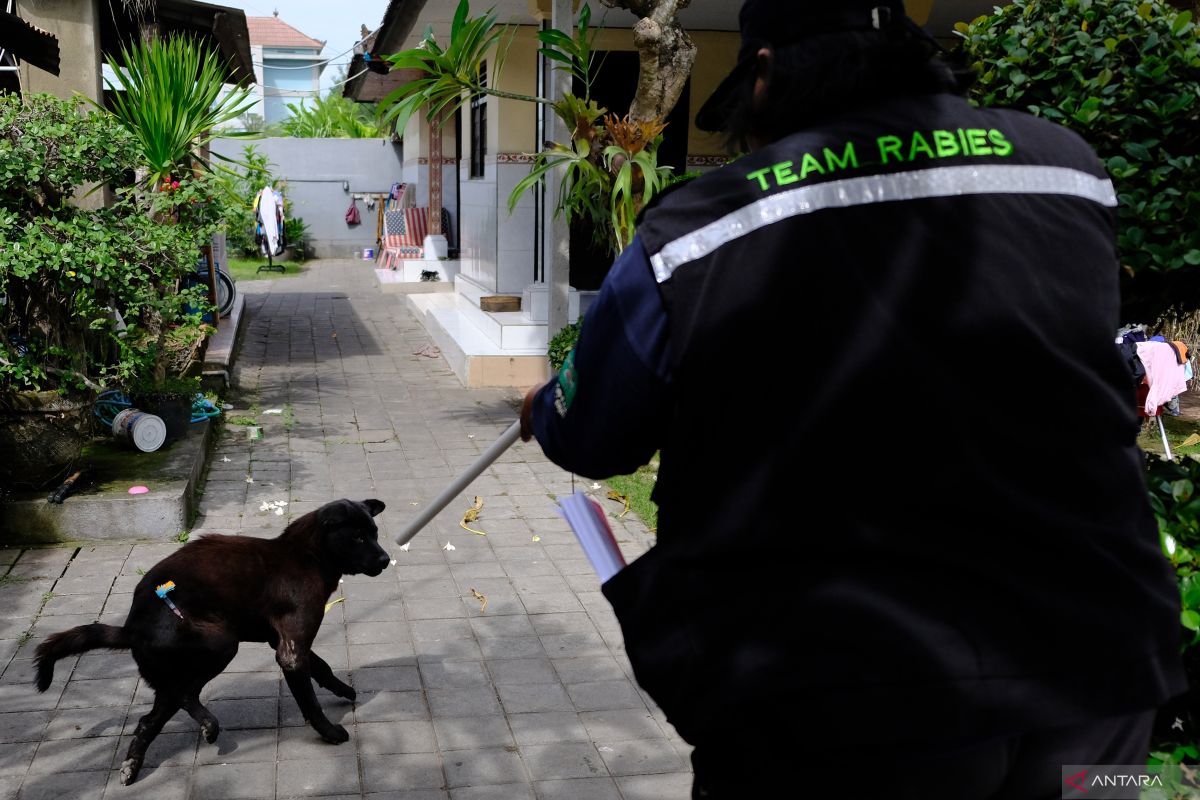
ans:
(129, 770)
(335, 734)
(343, 691)
(210, 730)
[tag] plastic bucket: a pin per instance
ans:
(143, 431)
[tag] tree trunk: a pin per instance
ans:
(666, 54)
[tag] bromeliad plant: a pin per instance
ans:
(610, 166)
(169, 96)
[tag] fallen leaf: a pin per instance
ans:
(226, 459)
(613, 494)
(405, 546)
(249, 479)
(482, 600)
(448, 546)
(471, 515)
(333, 603)
(536, 538)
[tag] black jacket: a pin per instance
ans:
(900, 497)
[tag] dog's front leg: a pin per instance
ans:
(293, 659)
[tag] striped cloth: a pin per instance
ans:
(404, 232)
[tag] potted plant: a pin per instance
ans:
(295, 233)
(84, 292)
(170, 399)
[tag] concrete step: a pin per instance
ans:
(472, 354)
(104, 508)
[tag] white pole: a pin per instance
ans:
(456, 486)
(1163, 431)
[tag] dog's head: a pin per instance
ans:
(350, 536)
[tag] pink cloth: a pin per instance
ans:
(1164, 374)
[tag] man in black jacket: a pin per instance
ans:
(851, 347)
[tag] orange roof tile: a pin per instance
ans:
(274, 32)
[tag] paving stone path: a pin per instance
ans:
(531, 697)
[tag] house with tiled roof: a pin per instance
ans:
(287, 66)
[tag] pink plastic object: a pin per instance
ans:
(138, 490)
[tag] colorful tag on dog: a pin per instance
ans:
(162, 591)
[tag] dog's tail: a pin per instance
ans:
(73, 642)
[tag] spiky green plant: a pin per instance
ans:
(169, 96)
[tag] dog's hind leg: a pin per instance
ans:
(209, 726)
(325, 678)
(148, 727)
(204, 670)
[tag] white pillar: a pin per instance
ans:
(558, 261)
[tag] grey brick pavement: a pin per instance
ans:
(532, 698)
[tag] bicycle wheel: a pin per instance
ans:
(226, 293)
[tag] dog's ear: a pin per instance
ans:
(375, 507)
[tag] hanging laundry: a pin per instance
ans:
(268, 215)
(1164, 375)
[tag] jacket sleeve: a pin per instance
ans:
(605, 412)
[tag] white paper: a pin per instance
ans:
(588, 522)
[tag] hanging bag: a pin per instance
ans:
(352, 215)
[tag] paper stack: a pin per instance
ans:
(587, 519)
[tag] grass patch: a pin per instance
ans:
(246, 269)
(289, 418)
(1178, 430)
(241, 420)
(638, 487)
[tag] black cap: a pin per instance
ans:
(774, 23)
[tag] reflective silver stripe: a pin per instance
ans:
(916, 185)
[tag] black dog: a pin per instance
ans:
(192, 608)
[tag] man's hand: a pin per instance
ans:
(527, 413)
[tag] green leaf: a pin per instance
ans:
(1190, 620)
(1192, 258)
(1138, 151)
(1182, 20)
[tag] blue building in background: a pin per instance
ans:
(287, 66)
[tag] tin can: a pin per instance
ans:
(254, 432)
(142, 431)
(369, 254)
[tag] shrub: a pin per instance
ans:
(66, 273)
(562, 343)
(1176, 505)
(1124, 74)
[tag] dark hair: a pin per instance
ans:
(825, 75)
